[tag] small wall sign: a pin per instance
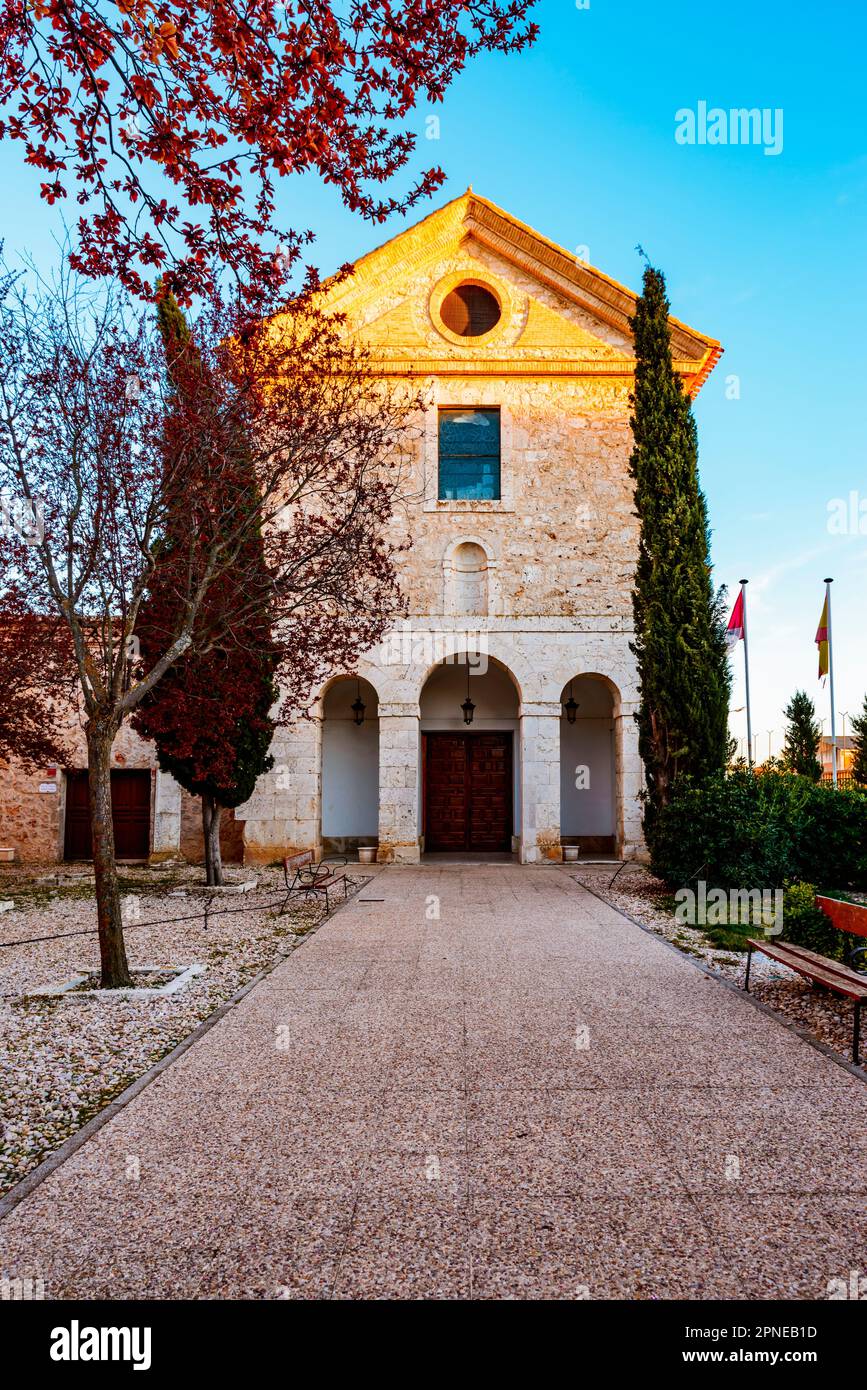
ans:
(48, 786)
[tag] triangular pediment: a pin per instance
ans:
(559, 314)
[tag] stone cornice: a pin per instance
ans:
(396, 364)
(596, 292)
(445, 231)
(518, 625)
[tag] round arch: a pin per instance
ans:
(333, 680)
(350, 762)
(483, 661)
(470, 786)
(589, 801)
(469, 580)
(606, 681)
(483, 542)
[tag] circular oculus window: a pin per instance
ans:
(470, 311)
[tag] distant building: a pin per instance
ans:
(845, 754)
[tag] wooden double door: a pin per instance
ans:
(468, 792)
(130, 814)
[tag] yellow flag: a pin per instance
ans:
(822, 640)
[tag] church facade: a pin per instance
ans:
(497, 718)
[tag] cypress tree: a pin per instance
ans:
(859, 746)
(801, 748)
(683, 669)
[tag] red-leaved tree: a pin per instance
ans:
(36, 683)
(170, 122)
(87, 430)
(211, 716)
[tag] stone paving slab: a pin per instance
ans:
(526, 1097)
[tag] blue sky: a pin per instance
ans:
(764, 252)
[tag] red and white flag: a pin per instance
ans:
(735, 629)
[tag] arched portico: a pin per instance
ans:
(470, 786)
(349, 715)
(324, 786)
(503, 786)
(588, 797)
(600, 770)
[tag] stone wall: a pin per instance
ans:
(560, 557)
(32, 816)
(559, 547)
(192, 842)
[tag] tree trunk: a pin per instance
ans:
(112, 951)
(212, 812)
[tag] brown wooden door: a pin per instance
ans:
(468, 792)
(130, 814)
(490, 800)
(76, 844)
(446, 792)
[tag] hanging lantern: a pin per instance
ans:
(468, 707)
(358, 705)
(571, 706)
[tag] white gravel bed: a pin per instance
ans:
(63, 1059)
(641, 895)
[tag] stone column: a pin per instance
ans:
(629, 783)
(167, 817)
(540, 781)
(398, 784)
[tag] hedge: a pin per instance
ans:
(746, 830)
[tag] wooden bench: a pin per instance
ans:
(312, 877)
(830, 974)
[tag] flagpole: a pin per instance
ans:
(828, 583)
(744, 583)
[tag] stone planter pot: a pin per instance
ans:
(367, 854)
(570, 853)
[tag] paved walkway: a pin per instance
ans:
(524, 1097)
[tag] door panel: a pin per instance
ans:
(468, 792)
(490, 776)
(445, 785)
(76, 838)
(130, 814)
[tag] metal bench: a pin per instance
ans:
(311, 877)
(830, 974)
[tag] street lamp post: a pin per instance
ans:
(739, 710)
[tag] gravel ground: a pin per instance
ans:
(63, 1060)
(641, 895)
(522, 1097)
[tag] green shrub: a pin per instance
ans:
(805, 924)
(760, 830)
(831, 837)
(730, 938)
